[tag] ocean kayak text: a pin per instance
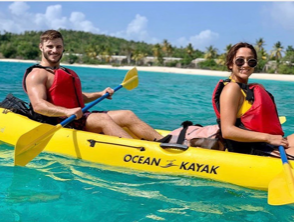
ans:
(196, 167)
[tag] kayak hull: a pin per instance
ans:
(249, 171)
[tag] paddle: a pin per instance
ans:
(281, 188)
(282, 119)
(32, 143)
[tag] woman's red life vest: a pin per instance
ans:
(261, 117)
(66, 90)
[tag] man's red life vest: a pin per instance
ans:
(66, 90)
(261, 117)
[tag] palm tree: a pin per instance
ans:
(92, 51)
(190, 50)
(165, 45)
(263, 54)
(170, 50)
(262, 60)
(259, 44)
(210, 53)
(128, 48)
(227, 49)
(222, 58)
(138, 56)
(289, 56)
(290, 49)
(276, 53)
(157, 52)
(105, 53)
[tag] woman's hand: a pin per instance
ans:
(278, 140)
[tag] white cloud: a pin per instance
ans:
(51, 19)
(200, 41)
(136, 30)
(20, 19)
(282, 13)
(17, 19)
(137, 26)
(18, 8)
(79, 22)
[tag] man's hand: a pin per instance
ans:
(108, 90)
(75, 111)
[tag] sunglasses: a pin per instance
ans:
(251, 62)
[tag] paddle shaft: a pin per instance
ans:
(287, 169)
(283, 154)
(93, 103)
(66, 121)
(88, 106)
(31, 144)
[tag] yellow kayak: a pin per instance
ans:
(249, 171)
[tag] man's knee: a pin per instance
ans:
(129, 113)
(96, 122)
(129, 116)
(99, 118)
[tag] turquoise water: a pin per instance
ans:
(57, 188)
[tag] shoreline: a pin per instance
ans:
(172, 70)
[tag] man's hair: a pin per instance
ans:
(233, 51)
(50, 35)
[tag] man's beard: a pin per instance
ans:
(49, 60)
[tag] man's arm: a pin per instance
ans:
(37, 83)
(89, 97)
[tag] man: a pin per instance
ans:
(55, 91)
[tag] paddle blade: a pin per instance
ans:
(131, 80)
(281, 188)
(282, 119)
(32, 143)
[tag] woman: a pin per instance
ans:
(246, 112)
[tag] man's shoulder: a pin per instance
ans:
(38, 74)
(41, 69)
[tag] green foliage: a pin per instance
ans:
(210, 64)
(89, 60)
(271, 71)
(27, 50)
(70, 58)
(8, 50)
(285, 69)
(89, 48)
(198, 54)
(289, 57)
(185, 62)
(260, 66)
(171, 63)
(25, 45)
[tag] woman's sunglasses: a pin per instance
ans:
(251, 62)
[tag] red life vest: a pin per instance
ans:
(261, 117)
(66, 90)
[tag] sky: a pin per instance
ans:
(201, 23)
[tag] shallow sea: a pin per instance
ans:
(58, 188)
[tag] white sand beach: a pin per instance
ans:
(280, 77)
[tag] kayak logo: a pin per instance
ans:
(202, 168)
(196, 167)
(170, 164)
(142, 160)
